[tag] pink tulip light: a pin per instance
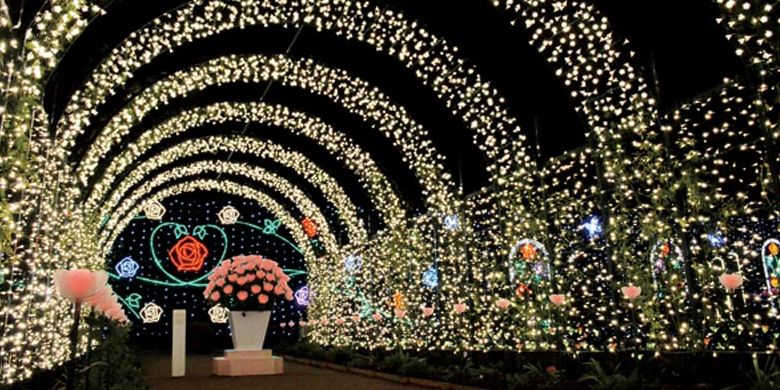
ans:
(340, 321)
(376, 316)
(731, 281)
(503, 303)
(460, 308)
(400, 313)
(631, 292)
(427, 311)
(79, 284)
(557, 299)
(355, 318)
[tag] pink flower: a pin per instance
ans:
(460, 308)
(302, 323)
(400, 313)
(279, 290)
(288, 296)
(242, 295)
(255, 289)
(270, 277)
(215, 296)
(557, 299)
(262, 298)
(268, 265)
(228, 289)
(427, 311)
(268, 287)
(291, 324)
(325, 321)
(260, 274)
(283, 325)
(376, 316)
(233, 277)
(251, 278)
(220, 282)
(731, 281)
(79, 284)
(631, 292)
(339, 321)
(355, 318)
(551, 370)
(241, 281)
(503, 303)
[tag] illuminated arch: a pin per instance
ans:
(364, 167)
(354, 94)
(264, 149)
(306, 207)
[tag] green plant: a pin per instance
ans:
(601, 378)
(534, 375)
(766, 377)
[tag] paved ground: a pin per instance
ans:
(157, 372)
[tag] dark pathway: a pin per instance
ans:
(157, 372)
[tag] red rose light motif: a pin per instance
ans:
(188, 254)
(309, 227)
(528, 251)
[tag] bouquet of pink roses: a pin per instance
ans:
(247, 283)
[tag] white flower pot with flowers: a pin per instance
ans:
(248, 285)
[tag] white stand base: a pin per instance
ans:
(245, 363)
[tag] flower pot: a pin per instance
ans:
(248, 329)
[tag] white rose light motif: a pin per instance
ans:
(154, 210)
(219, 314)
(228, 215)
(151, 313)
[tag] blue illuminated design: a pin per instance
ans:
(452, 222)
(430, 278)
(127, 268)
(716, 239)
(592, 227)
(302, 296)
(353, 263)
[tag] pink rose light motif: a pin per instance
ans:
(557, 299)
(731, 281)
(325, 321)
(400, 313)
(631, 292)
(302, 323)
(340, 321)
(355, 318)
(283, 325)
(503, 303)
(376, 316)
(79, 284)
(427, 311)
(460, 308)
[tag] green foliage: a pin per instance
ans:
(533, 375)
(600, 378)
(766, 377)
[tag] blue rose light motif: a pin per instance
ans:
(353, 263)
(302, 296)
(127, 268)
(430, 278)
(452, 222)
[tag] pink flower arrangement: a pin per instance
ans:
(557, 299)
(731, 281)
(247, 283)
(90, 287)
(503, 303)
(631, 292)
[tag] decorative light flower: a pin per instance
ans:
(219, 314)
(127, 268)
(503, 303)
(557, 299)
(528, 251)
(309, 227)
(731, 281)
(228, 215)
(716, 239)
(451, 222)
(79, 284)
(460, 308)
(430, 278)
(631, 292)
(151, 313)
(188, 254)
(302, 296)
(592, 227)
(154, 210)
(353, 263)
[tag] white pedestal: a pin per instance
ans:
(178, 349)
(245, 363)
